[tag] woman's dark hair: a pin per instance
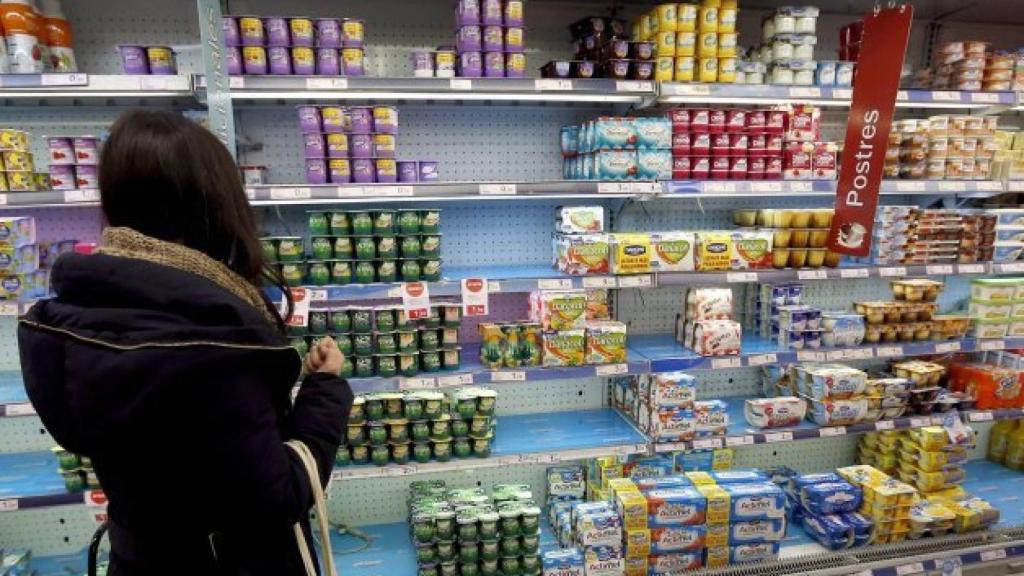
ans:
(167, 177)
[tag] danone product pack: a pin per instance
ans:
(582, 254)
(606, 342)
(559, 309)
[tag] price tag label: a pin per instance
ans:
(554, 284)
(395, 292)
(9, 309)
(980, 416)
(985, 97)
(1013, 267)
(842, 94)
(552, 84)
(945, 96)
(910, 186)
(938, 269)
(475, 300)
(745, 440)
(627, 86)
(300, 310)
(950, 187)
(855, 273)
(971, 268)
(1015, 186)
(79, 196)
(802, 92)
(991, 555)
(988, 186)
(920, 422)
(812, 275)
(834, 355)
(640, 187)
(392, 191)
(612, 369)
(741, 277)
(493, 286)
(393, 471)
(641, 281)
(705, 443)
(609, 188)
(762, 359)
(456, 380)
(318, 295)
(539, 459)
(860, 354)
(778, 437)
(418, 382)
(352, 191)
(724, 363)
(20, 409)
(599, 282)
(889, 351)
(687, 89)
(153, 83)
(800, 186)
(327, 83)
(461, 84)
(236, 82)
(909, 569)
(497, 189)
(766, 187)
(416, 300)
(885, 425)
(810, 356)
(892, 271)
(508, 376)
(720, 187)
(75, 79)
(947, 347)
(8, 505)
(250, 193)
(290, 193)
(832, 431)
(991, 345)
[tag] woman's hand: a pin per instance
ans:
(325, 357)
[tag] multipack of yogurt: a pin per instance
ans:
(654, 164)
(673, 251)
(674, 563)
(563, 562)
(559, 309)
(757, 531)
(602, 528)
(712, 417)
(672, 390)
(603, 560)
(758, 501)
(669, 539)
(668, 424)
(605, 342)
(566, 482)
(17, 231)
(830, 497)
(709, 304)
(675, 507)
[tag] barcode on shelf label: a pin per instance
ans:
(76, 79)
(971, 268)
(762, 359)
(20, 409)
(461, 84)
(642, 281)
(456, 380)
(599, 282)
(855, 273)
(800, 92)
(9, 505)
(723, 363)
(946, 347)
(720, 187)
(741, 277)
(891, 271)
(290, 193)
(920, 422)
(705, 443)
(317, 295)
(508, 376)
(76, 196)
(497, 189)
(552, 84)
(327, 83)
(945, 96)
(554, 284)
(629, 86)
(991, 345)
(885, 425)
(812, 275)
(832, 431)
(985, 97)
(778, 437)
(745, 440)
(809, 356)
(611, 369)
(408, 383)
(909, 569)
(889, 351)
(938, 269)
(990, 555)
(800, 186)
(980, 416)
(910, 187)
(766, 187)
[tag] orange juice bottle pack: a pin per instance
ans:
(993, 387)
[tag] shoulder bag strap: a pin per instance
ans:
(320, 504)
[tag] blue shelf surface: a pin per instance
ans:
(33, 481)
(12, 387)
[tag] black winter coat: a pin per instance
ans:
(179, 391)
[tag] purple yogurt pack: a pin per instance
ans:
(302, 32)
(352, 61)
(385, 119)
(361, 120)
(363, 171)
(86, 177)
(316, 171)
(337, 145)
(471, 64)
(408, 170)
(87, 149)
(494, 64)
(231, 36)
(335, 118)
(361, 145)
(339, 170)
(303, 61)
(352, 32)
(277, 31)
(514, 39)
(313, 146)
(309, 120)
(491, 12)
(279, 61)
(233, 56)
(515, 65)
(328, 33)
(493, 39)
(61, 151)
(62, 177)
(428, 171)
(386, 171)
(133, 59)
(254, 60)
(422, 63)
(252, 31)
(467, 13)
(327, 62)
(384, 145)
(513, 15)
(469, 39)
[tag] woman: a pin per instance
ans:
(162, 360)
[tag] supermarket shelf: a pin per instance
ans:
(96, 90)
(31, 480)
(673, 93)
(446, 191)
(532, 439)
(13, 398)
(666, 355)
(842, 273)
(827, 188)
(269, 89)
(740, 433)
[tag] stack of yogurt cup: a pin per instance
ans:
(356, 144)
(17, 167)
(73, 162)
(301, 46)
(142, 60)
(490, 38)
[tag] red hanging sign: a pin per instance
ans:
(883, 46)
